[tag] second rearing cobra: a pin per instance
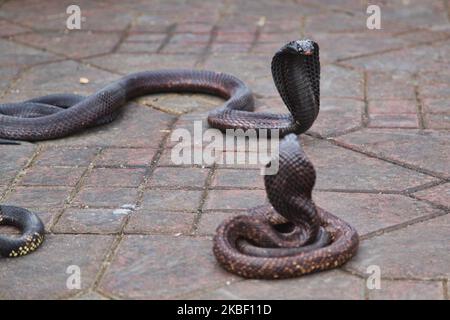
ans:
(288, 238)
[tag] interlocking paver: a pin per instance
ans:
(439, 194)
(373, 212)
(73, 45)
(146, 221)
(232, 178)
(144, 268)
(424, 149)
(66, 157)
(171, 200)
(178, 177)
(342, 169)
(234, 199)
(397, 252)
(408, 290)
(105, 197)
(18, 55)
(38, 196)
(379, 145)
(115, 177)
(43, 275)
(12, 160)
(92, 221)
(51, 176)
(328, 285)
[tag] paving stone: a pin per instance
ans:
(38, 197)
(51, 176)
(17, 55)
(115, 177)
(234, 199)
(393, 121)
(437, 121)
(193, 27)
(401, 106)
(372, 212)
(12, 160)
(352, 44)
(418, 13)
(439, 194)
(126, 157)
(408, 290)
(92, 221)
(91, 295)
(72, 44)
(9, 29)
(8, 75)
(145, 221)
(178, 177)
(128, 63)
(416, 251)
(338, 82)
(253, 70)
(342, 169)
(53, 15)
(41, 80)
(46, 215)
(210, 221)
(326, 285)
(171, 200)
(231, 178)
(66, 157)
(392, 85)
(105, 197)
(42, 275)
(178, 103)
(137, 127)
(337, 116)
(424, 149)
(408, 59)
(142, 268)
(139, 47)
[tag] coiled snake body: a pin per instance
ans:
(291, 236)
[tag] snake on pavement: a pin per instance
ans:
(286, 238)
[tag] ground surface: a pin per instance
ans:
(380, 145)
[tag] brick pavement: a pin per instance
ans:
(380, 146)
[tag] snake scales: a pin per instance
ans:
(287, 238)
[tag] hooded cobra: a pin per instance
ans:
(287, 238)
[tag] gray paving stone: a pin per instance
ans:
(423, 149)
(327, 285)
(43, 274)
(343, 169)
(371, 212)
(418, 251)
(408, 290)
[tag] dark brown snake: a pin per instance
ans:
(288, 238)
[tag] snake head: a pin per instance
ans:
(304, 47)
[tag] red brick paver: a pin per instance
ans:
(138, 226)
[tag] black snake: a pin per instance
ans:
(288, 238)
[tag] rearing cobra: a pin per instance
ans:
(288, 238)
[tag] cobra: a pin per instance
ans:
(256, 245)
